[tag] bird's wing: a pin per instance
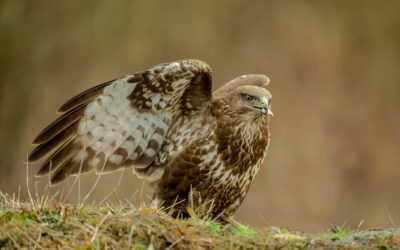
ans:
(121, 122)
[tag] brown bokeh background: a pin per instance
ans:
(334, 66)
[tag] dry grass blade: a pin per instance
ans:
(27, 236)
(96, 230)
(175, 243)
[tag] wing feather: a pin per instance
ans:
(62, 154)
(51, 144)
(63, 171)
(60, 124)
(123, 122)
(84, 97)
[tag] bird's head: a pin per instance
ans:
(246, 97)
(252, 99)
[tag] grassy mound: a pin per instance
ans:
(44, 226)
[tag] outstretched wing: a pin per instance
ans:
(121, 122)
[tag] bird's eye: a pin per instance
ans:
(248, 98)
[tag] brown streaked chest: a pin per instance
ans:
(242, 146)
(240, 152)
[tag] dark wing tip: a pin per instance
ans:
(66, 169)
(33, 156)
(83, 97)
(60, 124)
(57, 178)
(43, 170)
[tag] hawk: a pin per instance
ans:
(202, 149)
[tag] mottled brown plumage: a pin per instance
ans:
(201, 149)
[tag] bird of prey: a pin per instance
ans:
(201, 148)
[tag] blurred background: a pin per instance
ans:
(334, 65)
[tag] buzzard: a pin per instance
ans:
(202, 149)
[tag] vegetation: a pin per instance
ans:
(37, 224)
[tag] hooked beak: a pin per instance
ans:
(265, 106)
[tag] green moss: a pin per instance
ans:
(214, 228)
(383, 246)
(245, 231)
(24, 216)
(158, 224)
(119, 229)
(140, 246)
(335, 233)
(87, 247)
(285, 230)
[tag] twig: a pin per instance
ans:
(390, 218)
(141, 192)
(90, 191)
(264, 220)
(96, 230)
(14, 241)
(105, 198)
(359, 225)
(120, 177)
(176, 242)
(131, 234)
(27, 181)
(40, 236)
